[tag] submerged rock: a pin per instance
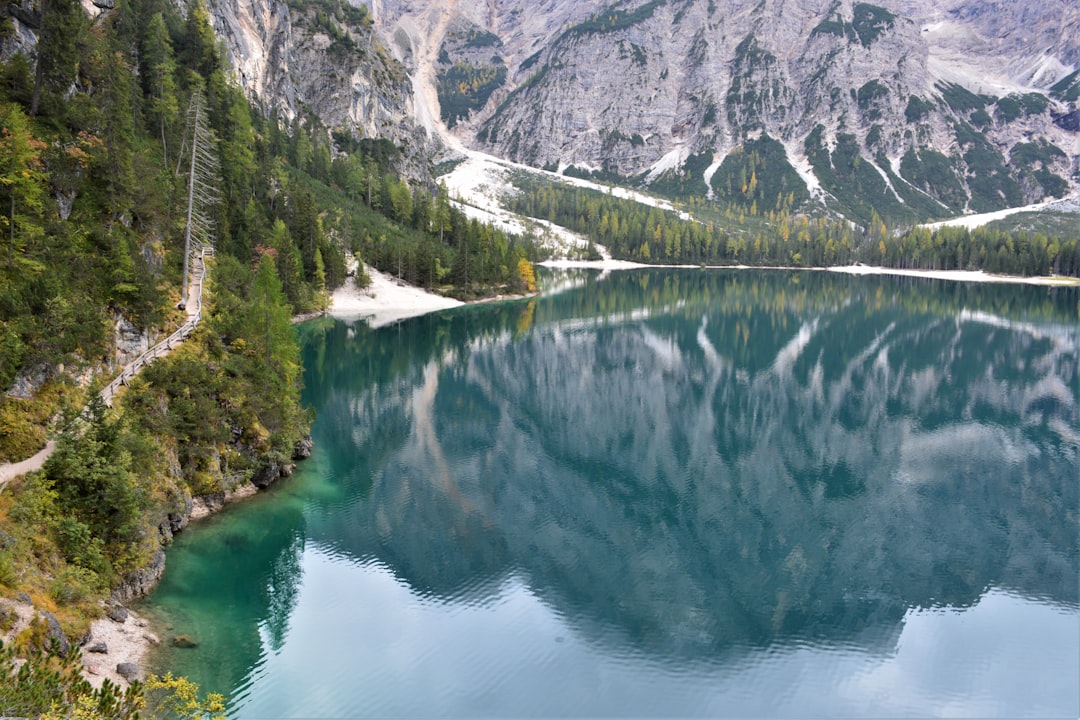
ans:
(185, 641)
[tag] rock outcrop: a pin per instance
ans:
(140, 582)
(333, 66)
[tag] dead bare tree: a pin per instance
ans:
(203, 174)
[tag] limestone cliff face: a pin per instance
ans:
(644, 86)
(941, 105)
(333, 66)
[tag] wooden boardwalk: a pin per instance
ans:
(194, 310)
(194, 307)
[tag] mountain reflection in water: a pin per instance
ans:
(686, 468)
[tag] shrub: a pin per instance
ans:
(75, 584)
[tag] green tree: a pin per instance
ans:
(63, 24)
(269, 325)
(39, 685)
(159, 71)
(21, 176)
(289, 265)
(200, 51)
(91, 471)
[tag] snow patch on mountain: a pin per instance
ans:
(672, 161)
(1071, 204)
(802, 166)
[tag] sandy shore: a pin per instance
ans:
(113, 642)
(385, 301)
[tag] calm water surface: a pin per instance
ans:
(665, 493)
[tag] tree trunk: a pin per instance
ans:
(11, 228)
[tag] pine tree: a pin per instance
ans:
(269, 326)
(63, 22)
(159, 71)
(21, 176)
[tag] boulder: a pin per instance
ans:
(118, 614)
(139, 583)
(303, 448)
(129, 671)
(266, 475)
(57, 641)
(98, 647)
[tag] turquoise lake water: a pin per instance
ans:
(664, 493)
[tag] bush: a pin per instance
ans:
(75, 584)
(40, 685)
(8, 576)
(22, 431)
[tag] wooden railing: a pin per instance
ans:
(165, 346)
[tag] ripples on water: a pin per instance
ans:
(665, 493)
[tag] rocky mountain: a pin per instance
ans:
(909, 108)
(326, 61)
(912, 109)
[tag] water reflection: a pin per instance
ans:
(735, 465)
(692, 490)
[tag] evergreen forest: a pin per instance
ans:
(779, 237)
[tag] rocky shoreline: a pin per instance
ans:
(116, 645)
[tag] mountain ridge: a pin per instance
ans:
(910, 109)
(659, 90)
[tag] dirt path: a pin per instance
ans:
(30, 464)
(8, 471)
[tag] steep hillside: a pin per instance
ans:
(322, 60)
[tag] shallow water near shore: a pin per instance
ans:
(664, 493)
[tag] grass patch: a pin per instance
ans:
(24, 421)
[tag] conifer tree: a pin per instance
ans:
(159, 72)
(62, 25)
(202, 182)
(269, 328)
(21, 176)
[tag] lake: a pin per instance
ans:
(664, 493)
